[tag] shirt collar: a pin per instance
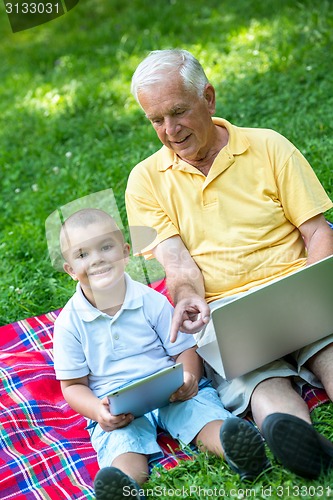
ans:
(133, 296)
(88, 312)
(168, 157)
(237, 144)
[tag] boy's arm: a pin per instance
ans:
(81, 398)
(193, 371)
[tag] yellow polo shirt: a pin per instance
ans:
(240, 222)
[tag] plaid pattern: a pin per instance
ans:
(45, 451)
(314, 397)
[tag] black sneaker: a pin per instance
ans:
(243, 447)
(113, 484)
(297, 445)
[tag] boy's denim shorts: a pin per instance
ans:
(183, 420)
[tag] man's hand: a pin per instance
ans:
(188, 390)
(110, 422)
(190, 316)
(186, 286)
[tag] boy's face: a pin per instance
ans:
(96, 256)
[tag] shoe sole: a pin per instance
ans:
(244, 448)
(296, 444)
(112, 484)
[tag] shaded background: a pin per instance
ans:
(69, 126)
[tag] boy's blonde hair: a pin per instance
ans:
(84, 218)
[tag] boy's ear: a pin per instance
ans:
(69, 270)
(127, 249)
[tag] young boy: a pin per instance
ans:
(115, 330)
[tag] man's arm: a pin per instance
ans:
(318, 238)
(186, 286)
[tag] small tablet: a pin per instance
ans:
(147, 394)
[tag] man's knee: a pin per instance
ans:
(270, 386)
(324, 356)
(321, 364)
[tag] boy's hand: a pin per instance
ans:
(188, 390)
(110, 422)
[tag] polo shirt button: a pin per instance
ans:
(116, 336)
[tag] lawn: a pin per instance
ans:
(69, 127)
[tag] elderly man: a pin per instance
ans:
(233, 208)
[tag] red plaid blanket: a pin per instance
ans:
(45, 451)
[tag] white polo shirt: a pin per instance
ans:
(115, 350)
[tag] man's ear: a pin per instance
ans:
(69, 270)
(209, 96)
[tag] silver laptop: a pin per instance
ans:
(272, 321)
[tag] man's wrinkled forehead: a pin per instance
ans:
(171, 88)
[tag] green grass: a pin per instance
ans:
(65, 89)
(69, 127)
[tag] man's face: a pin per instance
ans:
(181, 119)
(96, 257)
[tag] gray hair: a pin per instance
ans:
(159, 63)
